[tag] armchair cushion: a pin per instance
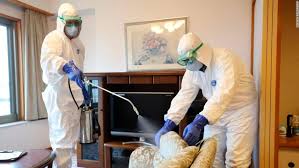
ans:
(174, 153)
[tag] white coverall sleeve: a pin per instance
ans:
(182, 101)
(227, 81)
(51, 59)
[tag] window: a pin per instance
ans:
(8, 71)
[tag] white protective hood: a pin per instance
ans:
(65, 9)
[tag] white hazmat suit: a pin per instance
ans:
(231, 107)
(63, 115)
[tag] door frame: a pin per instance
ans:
(269, 98)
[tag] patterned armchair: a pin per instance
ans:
(174, 153)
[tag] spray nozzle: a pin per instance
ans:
(133, 106)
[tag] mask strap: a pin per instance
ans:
(198, 47)
(193, 51)
(62, 19)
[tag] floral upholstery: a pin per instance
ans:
(206, 154)
(170, 144)
(143, 157)
(182, 159)
(174, 153)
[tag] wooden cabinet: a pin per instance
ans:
(117, 79)
(141, 79)
(116, 144)
(288, 154)
(287, 81)
(289, 142)
(159, 81)
(165, 79)
(288, 158)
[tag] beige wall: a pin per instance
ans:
(289, 69)
(46, 5)
(220, 23)
(257, 60)
(257, 53)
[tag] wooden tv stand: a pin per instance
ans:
(116, 144)
(148, 81)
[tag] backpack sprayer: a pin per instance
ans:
(89, 126)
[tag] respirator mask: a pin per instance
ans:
(72, 26)
(189, 60)
(194, 66)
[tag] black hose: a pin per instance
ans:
(68, 81)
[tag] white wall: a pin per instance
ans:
(46, 5)
(220, 23)
(28, 135)
(257, 60)
(11, 10)
(258, 30)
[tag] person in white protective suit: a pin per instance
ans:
(230, 113)
(62, 56)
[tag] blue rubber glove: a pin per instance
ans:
(73, 73)
(168, 126)
(192, 132)
(86, 96)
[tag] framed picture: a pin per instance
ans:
(152, 45)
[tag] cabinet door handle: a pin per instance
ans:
(291, 164)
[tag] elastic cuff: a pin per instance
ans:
(169, 124)
(60, 69)
(201, 119)
(167, 117)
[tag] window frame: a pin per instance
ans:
(13, 72)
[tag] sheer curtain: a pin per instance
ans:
(36, 28)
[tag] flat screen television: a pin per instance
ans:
(152, 107)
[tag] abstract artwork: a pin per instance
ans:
(152, 45)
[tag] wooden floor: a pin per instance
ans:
(74, 161)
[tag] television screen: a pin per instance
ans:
(152, 107)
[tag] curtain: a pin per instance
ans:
(36, 28)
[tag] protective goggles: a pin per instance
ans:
(70, 21)
(188, 57)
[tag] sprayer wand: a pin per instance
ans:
(133, 106)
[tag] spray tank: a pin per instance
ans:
(89, 126)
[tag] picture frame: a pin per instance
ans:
(152, 45)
